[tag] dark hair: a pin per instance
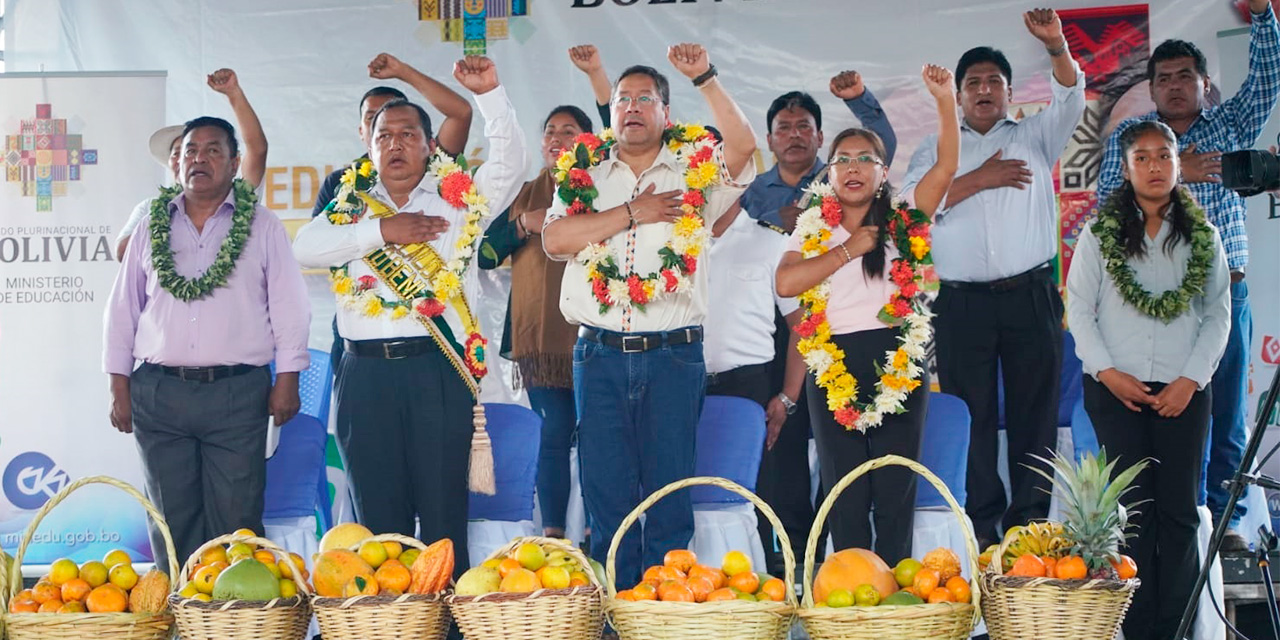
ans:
(380, 91)
(1172, 49)
(577, 114)
(794, 100)
(1124, 199)
(979, 55)
(659, 80)
(396, 103)
(881, 204)
(210, 121)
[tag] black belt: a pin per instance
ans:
(207, 374)
(639, 342)
(1004, 284)
(738, 373)
(389, 349)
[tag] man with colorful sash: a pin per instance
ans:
(399, 238)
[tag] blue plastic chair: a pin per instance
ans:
(1083, 438)
(731, 437)
(1069, 383)
(297, 485)
(945, 449)
(516, 433)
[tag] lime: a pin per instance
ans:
(839, 598)
(905, 572)
(866, 596)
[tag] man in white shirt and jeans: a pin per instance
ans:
(639, 375)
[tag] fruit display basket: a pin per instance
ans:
(935, 621)
(384, 617)
(723, 620)
(1026, 607)
(275, 619)
(79, 626)
(545, 614)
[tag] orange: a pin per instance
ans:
(672, 591)
(72, 607)
(578, 579)
(651, 576)
(925, 583)
(712, 574)
(1028, 566)
(1072, 568)
(1050, 566)
(107, 599)
(775, 589)
(959, 589)
(1127, 569)
(62, 570)
(365, 585)
(75, 590)
(51, 606)
(24, 605)
(701, 588)
(627, 595)
(393, 575)
(721, 594)
(670, 573)
(45, 591)
(214, 554)
(745, 582)
(520, 580)
(682, 559)
(645, 591)
(940, 595)
(508, 565)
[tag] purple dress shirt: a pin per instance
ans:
(261, 314)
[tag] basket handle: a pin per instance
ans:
(15, 570)
(542, 541)
(788, 556)
(405, 541)
(811, 549)
(231, 538)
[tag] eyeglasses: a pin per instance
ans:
(643, 101)
(860, 161)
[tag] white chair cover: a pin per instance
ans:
(719, 530)
(486, 536)
(1208, 625)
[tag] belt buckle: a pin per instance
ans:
(386, 351)
(627, 341)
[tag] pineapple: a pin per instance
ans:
(1094, 521)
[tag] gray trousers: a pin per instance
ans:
(203, 448)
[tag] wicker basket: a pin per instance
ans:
(278, 619)
(417, 616)
(546, 614)
(723, 620)
(79, 626)
(938, 621)
(1021, 607)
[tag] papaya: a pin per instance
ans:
(334, 569)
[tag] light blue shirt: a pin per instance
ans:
(998, 233)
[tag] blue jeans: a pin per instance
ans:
(639, 418)
(559, 421)
(1228, 431)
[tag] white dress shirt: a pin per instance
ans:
(742, 295)
(617, 185)
(322, 244)
(1110, 332)
(998, 233)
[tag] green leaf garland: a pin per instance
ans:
(215, 277)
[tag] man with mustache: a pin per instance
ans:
(205, 319)
(638, 369)
(405, 386)
(994, 240)
(1179, 83)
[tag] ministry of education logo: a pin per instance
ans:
(472, 22)
(42, 157)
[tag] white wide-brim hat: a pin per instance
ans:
(161, 143)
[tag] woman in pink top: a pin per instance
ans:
(854, 267)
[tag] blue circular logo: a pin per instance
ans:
(31, 479)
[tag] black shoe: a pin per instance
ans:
(1233, 543)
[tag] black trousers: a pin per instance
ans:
(886, 496)
(1020, 330)
(404, 427)
(1164, 542)
(750, 382)
(203, 448)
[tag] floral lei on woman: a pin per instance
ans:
(458, 189)
(188, 289)
(1172, 303)
(694, 148)
(912, 272)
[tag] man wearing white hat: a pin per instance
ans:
(164, 148)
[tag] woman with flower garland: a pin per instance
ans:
(865, 325)
(1148, 300)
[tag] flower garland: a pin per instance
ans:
(188, 289)
(694, 148)
(1172, 303)
(913, 274)
(458, 189)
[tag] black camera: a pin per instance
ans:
(1250, 172)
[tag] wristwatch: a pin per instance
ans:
(788, 403)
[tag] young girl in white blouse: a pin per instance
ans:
(1148, 301)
